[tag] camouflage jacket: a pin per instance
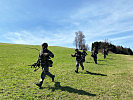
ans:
(78, 56)
(42, 59)
(84, 54)
(94, 53)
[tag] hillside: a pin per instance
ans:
(110, 79)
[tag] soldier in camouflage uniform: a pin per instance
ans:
(94, 54)
(83, 55)
(45, 62)
(78, 56)
(104, 53)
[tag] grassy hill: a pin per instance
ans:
(110, 79)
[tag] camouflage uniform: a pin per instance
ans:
(78, 56)
(94, 55)
(83, 55)
(45, 63)
(104, 53)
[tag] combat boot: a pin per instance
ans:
(39, 84)
(76, 71)
(53, 78)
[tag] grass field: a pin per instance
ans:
(110, 79)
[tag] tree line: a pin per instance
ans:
(112, 48)
(80, 43)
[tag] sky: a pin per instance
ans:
(33, 22)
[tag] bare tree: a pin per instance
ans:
(79, 40)
(87, 47)
(76, 40)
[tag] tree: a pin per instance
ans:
(76, 40)
(87, 47)
(79, 40)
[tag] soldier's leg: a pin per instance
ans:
(51, 75)
(77, 66)
(95, 59)
(104, 56)
(81, 64)
(43, 74)
(83, 60)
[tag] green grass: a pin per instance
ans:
(110, 79)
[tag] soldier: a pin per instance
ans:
(83, 55)
(94, 54)
(43, 60)
(107, 51)
(78, 56)
(104, 53)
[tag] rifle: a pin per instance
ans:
(35, 65)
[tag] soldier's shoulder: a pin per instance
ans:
(49, 51)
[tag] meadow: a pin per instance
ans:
(110, 79)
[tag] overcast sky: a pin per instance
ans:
(56, 21)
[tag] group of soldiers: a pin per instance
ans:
(80, 58)
(45, 62)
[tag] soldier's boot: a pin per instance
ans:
(76, 70)
(83, 68)
(95, 62)
(105, 57)
(53, 78)
(39, 84)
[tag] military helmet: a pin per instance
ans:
(76, 49)
(45, 45)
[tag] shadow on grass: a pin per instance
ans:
(69, 89)
(87, 72)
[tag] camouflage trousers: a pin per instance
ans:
(95, 59)
(104, 56)
(79, 63)
(45, 71)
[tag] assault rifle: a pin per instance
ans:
(35, 65)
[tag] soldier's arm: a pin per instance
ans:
(50, 54)
(73, 55)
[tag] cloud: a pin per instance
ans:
(98, 19)
(27, 37)
(122, 38)
(22, 37)
(123, 41)
(104, 18)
